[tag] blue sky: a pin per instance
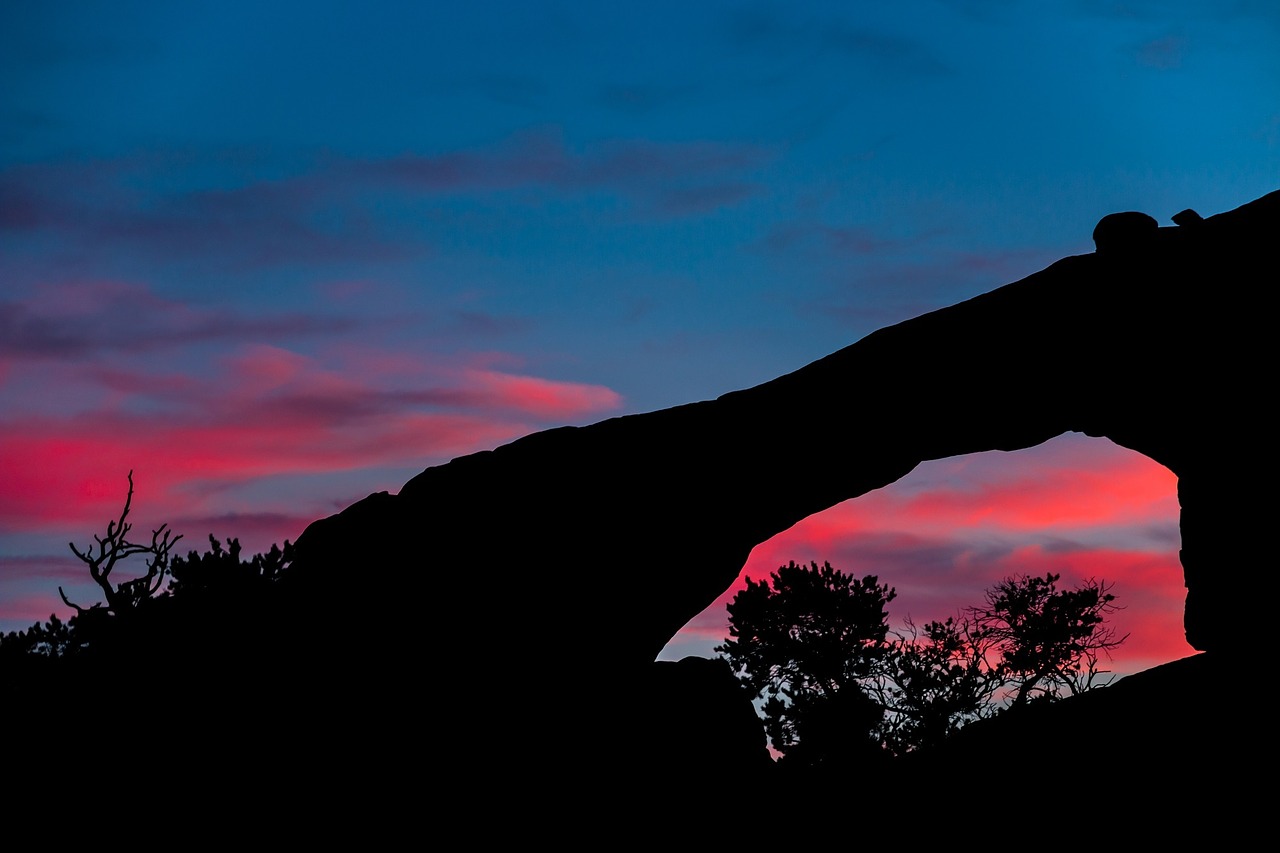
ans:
(276, 256)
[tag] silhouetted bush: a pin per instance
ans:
(202, 587)
(835, 684)
(809, 641)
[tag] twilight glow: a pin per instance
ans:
(275, 256)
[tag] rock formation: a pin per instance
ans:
(1160, 341)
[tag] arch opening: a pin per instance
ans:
(1078, 506)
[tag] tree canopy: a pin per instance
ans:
(813, 645)
(807, 640)
(1047, 642)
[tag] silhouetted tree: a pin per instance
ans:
(127, 595)
(53, 639)
(806, 640)
(222, 573)
(218, 583)
(1046, 642)
(1029, 641)
(814, 645)
(938, 679)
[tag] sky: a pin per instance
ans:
(272, 257)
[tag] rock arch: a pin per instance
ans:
(1160, 341)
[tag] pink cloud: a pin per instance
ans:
(1128, 490)
(1148, 588)
(53, 471)
(941, 536)
(1070, 484)
(260, 368)
(543, 398)
(266, 412)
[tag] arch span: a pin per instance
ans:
(1158, 341)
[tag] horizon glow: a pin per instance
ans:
(274, 257)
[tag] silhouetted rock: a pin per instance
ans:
(1124, 232)
(691, 715)
(440, 631)
(1157, 342)
(1183, 750)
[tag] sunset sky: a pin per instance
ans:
(273, 257)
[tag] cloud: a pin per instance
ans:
(165, 207)
(239, 451)
(1148, 588)
(29, 588)
(20, 612)
(1130, 492)
(84, 320)
(328, 210)
(59, 569)
(635, 168)
(1081, 508)
(264, 413)
(266, 224)
(542, 398)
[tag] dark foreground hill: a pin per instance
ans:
(214, 740)
(1184, 747)
(429, 656)
(1187, 745)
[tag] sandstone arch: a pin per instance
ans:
(1159, 341)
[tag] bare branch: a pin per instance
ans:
(115, 547)
(78, 609)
